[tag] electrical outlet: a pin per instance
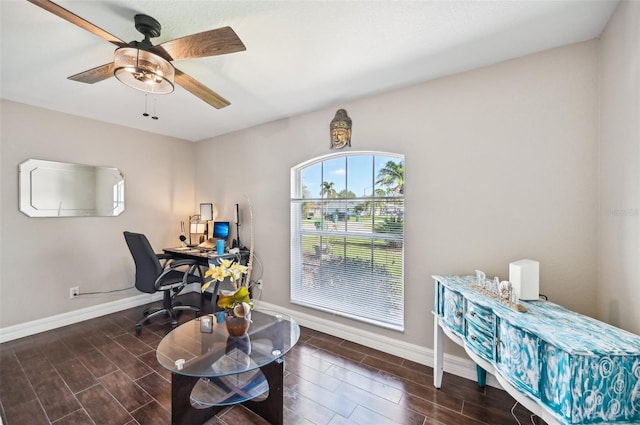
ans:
(74, 292)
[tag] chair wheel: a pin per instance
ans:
(138, 329)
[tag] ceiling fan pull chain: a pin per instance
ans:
(155, 116)
(145, 106)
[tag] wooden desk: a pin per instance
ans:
(203, 256)
(564, 367)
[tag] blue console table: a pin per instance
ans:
(564, 367)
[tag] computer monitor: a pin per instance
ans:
(221, 230)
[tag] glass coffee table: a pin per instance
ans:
(211, 370)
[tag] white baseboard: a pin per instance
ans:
(59, 320)
(455, 365)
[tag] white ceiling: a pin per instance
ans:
(301, 55)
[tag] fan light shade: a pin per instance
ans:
(143, 70)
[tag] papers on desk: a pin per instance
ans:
(208, 244)
(185, 250)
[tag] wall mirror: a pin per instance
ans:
(60, 189)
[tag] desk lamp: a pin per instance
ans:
(196, 227)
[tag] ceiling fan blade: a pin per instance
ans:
(94, 75)
(209, 43)
(200, 90)
(60, 11)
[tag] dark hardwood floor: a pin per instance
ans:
(99, 372)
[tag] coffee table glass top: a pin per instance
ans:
(188, 351)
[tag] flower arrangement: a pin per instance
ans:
(236, 302)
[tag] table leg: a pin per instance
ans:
(182, 412)
(271, 408)
(482, 376)
(438, 352)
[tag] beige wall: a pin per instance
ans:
(619, 189)
(43, 257)
(501, 164)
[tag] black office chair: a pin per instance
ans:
(152, 276)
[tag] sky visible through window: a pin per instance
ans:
(362, 174)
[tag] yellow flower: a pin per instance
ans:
(219, 274)
(229, 299)
(216, 274)
(236, 271)
(226, 299)
(225, 263)
(233, 270)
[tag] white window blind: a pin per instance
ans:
(347, 236)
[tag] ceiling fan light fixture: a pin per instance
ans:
(143, 70)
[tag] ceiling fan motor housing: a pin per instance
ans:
(147, 26)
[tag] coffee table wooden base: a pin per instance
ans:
(271, 408)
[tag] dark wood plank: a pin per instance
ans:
(29, 412)
(15, 388)
(76, 375)
(79, 417)
(125, 390)
(103, 407)
(158, 388)
(381, 406)
(152, 414)
(97, 363)
(54, 395)
(116, 379)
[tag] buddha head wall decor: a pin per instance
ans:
(340, 130)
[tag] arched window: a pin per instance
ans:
(347, 236)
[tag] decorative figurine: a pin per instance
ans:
(505, 290)
(340, 130)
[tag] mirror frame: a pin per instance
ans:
(86, 190)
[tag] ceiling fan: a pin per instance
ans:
(143, 66)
